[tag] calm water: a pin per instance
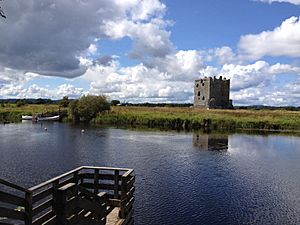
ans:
(181, 178)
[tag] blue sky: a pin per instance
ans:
(151, 50)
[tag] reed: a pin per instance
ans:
(190, 118)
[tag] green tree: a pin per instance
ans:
(115, 102)
(87, 107)
(20, 102)
(64, 102)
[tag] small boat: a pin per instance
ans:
(50, 118)
(34, 118)
(27, 117)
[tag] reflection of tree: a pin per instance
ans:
(2, 12)
(218, 142)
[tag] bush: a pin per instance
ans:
(87, 107)
(20, 102)
(64, 102)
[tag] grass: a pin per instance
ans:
(173, 117)
(190, 118)
(12, 113)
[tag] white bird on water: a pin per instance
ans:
(45, 128)
(82, 131)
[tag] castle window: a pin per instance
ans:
(203, 98)
(197, 85)
(202, 84)
(198, 93)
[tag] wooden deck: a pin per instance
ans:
(84, 196)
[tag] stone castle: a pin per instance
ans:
(212, 93)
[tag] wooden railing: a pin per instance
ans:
(72, 197)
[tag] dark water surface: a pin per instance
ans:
(181, 178)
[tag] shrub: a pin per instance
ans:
(87, 107)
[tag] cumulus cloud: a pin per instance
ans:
(171, 81)
(49, 37)
(282, 41)
(295, 2)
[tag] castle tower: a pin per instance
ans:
(212, 93)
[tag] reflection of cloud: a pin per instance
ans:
(218, 142)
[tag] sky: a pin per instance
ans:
(150, 50)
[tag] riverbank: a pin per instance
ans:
(11, 113)
(190, 118)
(172, 117)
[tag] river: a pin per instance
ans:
(181, 178)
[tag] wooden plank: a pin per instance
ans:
(99, 186)
(130, 183)
(100, 176)
(43, 194)
(116, 184)
(105, 168)
(129, 205)
(54, 179)
(130, 193)
(47, 216)
(6, 183)
(11, 214)
(128, 173)
(11, 199)
(43, 206)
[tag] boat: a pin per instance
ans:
(37, 118)
(27, 117)
(50, 118)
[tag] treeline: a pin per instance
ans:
(261, 107)
(38, 101)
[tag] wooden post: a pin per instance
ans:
(54, 197)
(96, 181)
(61, 207)
(116, 190)
(76, 177)
(123, 197)
(28, 208)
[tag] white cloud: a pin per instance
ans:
(295, 2)
(144, 83)
(282, 41)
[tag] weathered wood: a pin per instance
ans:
(28, 208)
(43, 206)
(96, 181)
(99, 186)
(11, 199)
(45, 217)
(14, 186)
(70, 201)
(116, 188)
(11, 213)
(43, 194)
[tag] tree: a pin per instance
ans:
(2, 12)
(87, 107)
(115, 102)
(20, 102)
(64, 102)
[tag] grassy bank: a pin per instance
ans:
(189, 118)
(173, 117)
(12, 113)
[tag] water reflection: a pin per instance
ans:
(212, 142)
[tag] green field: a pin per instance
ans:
(173, 117)
(190, 118)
